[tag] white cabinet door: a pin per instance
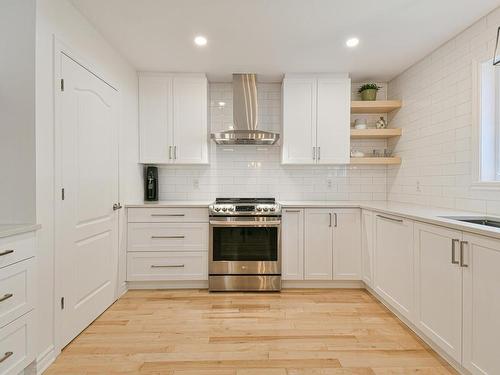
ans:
(333, 120)
(481, 322)
(155, 118)
(190, 130)
(299, 120)
(347, 244)
(292, 244)
(318, 251)
(438, 287)
(394, 262)
(367, 245)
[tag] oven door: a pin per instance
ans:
(245, 246)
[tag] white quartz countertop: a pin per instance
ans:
(7, 230)
(432, 215)
(171, 204)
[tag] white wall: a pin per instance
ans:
(250, 171)
(436, 146)
(60, 18)
(17, 111)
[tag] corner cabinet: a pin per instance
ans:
(316, 119)
(173, 118)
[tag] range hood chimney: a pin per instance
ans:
(245, 116)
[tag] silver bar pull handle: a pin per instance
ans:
(169, 152)
(6, 297)
(175, 152)
(5, 356)
(454, 242)
(6, 252)
(319, 153)
(330, 224)
(155, 237)
(292, 210)
(336, 220)
(176, 215)
(167, 266)
(462, 246)
(314, 153)
(390, 218)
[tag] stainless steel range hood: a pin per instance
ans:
(245, 116)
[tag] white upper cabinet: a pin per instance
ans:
(173, 118)
(316, 120)
(481, 304)
(333, 116)
(299, 119)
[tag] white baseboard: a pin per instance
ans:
(45, 359)
(457, 366)
(184, 284)
(332, 284)
(121, 290)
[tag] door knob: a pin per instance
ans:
(117, 206)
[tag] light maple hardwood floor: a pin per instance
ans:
(334, 331)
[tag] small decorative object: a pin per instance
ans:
(381, 124)
(360, 124)
(376, 153)
(368, 91)
(387, 153)
(496, 58)
(357, 154)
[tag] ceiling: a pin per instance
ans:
(271, 37)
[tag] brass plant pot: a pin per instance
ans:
(369, 94)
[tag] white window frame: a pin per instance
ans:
(486, 132)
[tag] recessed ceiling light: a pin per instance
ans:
(200, 40)
(352, 42)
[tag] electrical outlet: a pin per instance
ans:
(418, 186)
(196, 183)
(329, 183)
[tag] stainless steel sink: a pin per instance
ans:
(479, 220)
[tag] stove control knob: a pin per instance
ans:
(273, 208)
(259, 208)
(217, 209)
(224, 209)
(266, 209)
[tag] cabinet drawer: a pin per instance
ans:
(16, 345)
(167, 215)
(167, 236)
(16, 248)
(167, 266)
(16, 290)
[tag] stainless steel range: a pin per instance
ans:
(245, 245)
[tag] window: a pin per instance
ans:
(488, 134)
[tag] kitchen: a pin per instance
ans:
(282, 187)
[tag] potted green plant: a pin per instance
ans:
(368, 91)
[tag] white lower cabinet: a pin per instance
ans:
(481, 305)
(17, 345)
(346, 244)
(367, 245)
(318, 249)
(394, 273)
(332, 246)
(438, 286)
(292, 244)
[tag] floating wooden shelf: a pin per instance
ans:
(375, 133)
(377, 161)
(375, 106)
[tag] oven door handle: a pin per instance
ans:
(245, 223)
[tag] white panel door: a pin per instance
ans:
(481, 323)
(155, 118)
(347, 244)
(87, 228)
(367, 246)
(318, 248)
(394, 262)
(438, 287)
(292, 244)
(299, 121)
(190, 120)
(333, 120)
